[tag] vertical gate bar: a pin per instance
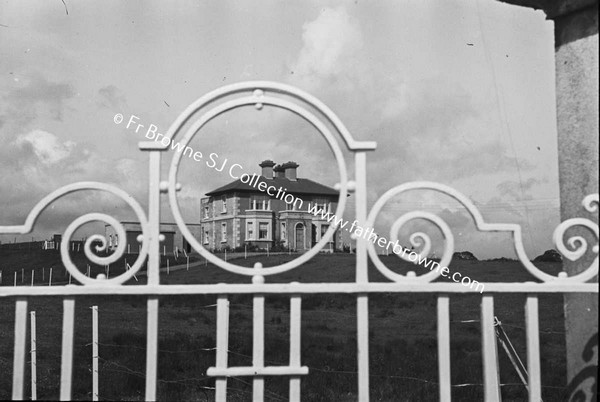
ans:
(19, 350)
(362, 300)
(362, 323)
(258, 347)
(153, 273)
(94, 353)
(491, 386)
(66, 364)
(533, 348)
(361, 216)
(443, 330)
(151, 348)
(33, 357)
(222, 345)
(295, 328)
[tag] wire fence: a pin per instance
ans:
(112, 366)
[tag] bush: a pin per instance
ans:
(279, 245)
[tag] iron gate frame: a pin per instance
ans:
(258, 94)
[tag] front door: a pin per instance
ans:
(299, 236)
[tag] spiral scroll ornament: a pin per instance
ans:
(91, 217)
(420, 240)
(574, 249)
(577, 246)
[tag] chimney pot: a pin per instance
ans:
(267, 168)
(279, 171)
(290, 170)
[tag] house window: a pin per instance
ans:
(116, 240)
(205, 237)
(260, 203)
(324, 230)
(206, 212)
(263, 230)
(250, 230)
(224, 209)
(283, 231)
(223, 232)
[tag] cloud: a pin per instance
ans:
(37, 95)
(329, 43)
(46, 146)
(518, 191)
(111, 97)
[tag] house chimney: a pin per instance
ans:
(279, 171)
(290, 170)
(267, 168)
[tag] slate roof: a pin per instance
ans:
(300, 186)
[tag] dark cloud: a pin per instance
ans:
(37, 97)
(111, 97)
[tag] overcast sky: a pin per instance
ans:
(459, 92)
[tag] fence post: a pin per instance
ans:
(167, 266)
(15, 278)
(187, 264)
(33, 358)
(245, 251)
(95, 353)
(22, 275)
(50, 278)
(0, 277)
(32, 275)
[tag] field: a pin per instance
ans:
(403, 345)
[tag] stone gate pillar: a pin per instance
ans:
(576, 62)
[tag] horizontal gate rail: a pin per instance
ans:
(301, 288)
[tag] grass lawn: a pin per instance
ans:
(403, 345)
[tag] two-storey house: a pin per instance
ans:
(238, 214)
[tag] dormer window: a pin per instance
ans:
(224, 207)
(206, 212)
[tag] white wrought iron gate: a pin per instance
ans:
(259, 95)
